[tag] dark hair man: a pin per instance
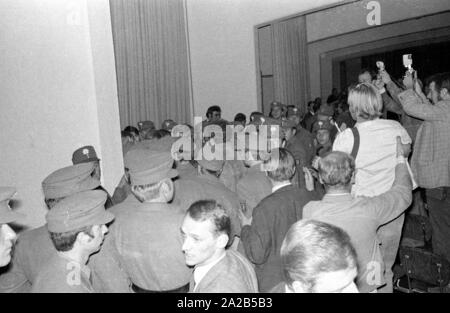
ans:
(431, 157)
(240, 119)
(310, 116)
(77, 226)
(213, 113)
(263, 232)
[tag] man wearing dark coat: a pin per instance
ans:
(263, 233)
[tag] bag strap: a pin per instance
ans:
(355, 142)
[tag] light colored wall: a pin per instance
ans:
(352, 17)
(402, 32)
(55, 93)
(222, 49)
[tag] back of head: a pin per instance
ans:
(241, 118)
(315, 106)
(311, 248)
(150, 170)
(336, 169)
(131, 129)
(255, 114)
(365, 101)
(365, 76)
(280, 166)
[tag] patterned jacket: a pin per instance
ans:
(431, 155)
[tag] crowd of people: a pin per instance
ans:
(319, 209)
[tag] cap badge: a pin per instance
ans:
(86, 152)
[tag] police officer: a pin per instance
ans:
(87, 154)
(323, 141)
(168, 125)
(145, 127)
(276, 110)
(7, 235)
(145, 240)
(34, 247)
(77, 226)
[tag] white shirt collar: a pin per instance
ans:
(202, 270)
(275, 188)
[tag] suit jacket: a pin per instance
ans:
(430, 161)
(233, 274)
(253, 187)
(263, 238)
(361, 217)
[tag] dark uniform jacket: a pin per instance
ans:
(263, 238)
(122, 191)
(32, 252)
(145, 243)
(61, 275)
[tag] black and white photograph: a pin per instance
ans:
(224, 151)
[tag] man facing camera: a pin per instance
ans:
(77, 226)
(206, 229)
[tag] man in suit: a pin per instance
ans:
(7, 235)
(144, 241)
(361, 217)
(34, 247)
(205, 230)
(263, 232)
